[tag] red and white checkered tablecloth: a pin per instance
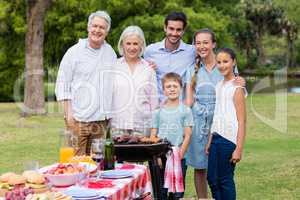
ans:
(124, 188)
(132, 187)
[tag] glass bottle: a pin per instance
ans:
(109, 161)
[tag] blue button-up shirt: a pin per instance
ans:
(84, 77)
(177, 61)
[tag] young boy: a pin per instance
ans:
(174, 122)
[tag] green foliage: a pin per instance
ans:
(291, 7)
(226, 7)
(66, 21)
(12, 41)
(211, 19)
(150, 17)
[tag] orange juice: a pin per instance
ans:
(66, 154)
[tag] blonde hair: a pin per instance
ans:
(198, 59)
(196, 68)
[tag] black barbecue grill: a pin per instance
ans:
(140, 152)
(145, 152)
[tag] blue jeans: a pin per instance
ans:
(220, 170)
(176, 195)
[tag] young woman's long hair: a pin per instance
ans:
(198, 59)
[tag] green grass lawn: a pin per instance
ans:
(270, 168)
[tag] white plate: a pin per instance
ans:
(113, 174)
(80, 193)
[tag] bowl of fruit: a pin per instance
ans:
(66, 174)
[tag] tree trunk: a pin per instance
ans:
(34, 98)
(290, 52)
(261, 58)
(249, 64)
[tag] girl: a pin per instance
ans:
(226, 142)
(200, 94)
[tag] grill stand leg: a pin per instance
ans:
(156, 177)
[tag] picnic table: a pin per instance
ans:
(122, 188)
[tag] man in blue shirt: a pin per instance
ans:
(171, 54)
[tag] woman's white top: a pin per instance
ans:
(135, 95)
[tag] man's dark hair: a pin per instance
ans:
(176, 16)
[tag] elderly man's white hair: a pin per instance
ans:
(102, 14)
(129, 31)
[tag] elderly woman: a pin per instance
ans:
(134, 86)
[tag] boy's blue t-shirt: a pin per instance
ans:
(171, 122)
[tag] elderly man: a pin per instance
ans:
(83, 83)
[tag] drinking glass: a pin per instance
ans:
(97, 152)
(31, 165)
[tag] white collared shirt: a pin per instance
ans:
(84, 77)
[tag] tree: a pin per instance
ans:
(34, 100)
(265, 18)
(245, 39)
(290, 29)
(291, 24)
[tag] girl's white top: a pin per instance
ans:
(225, 121)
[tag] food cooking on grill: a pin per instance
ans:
(134, 139)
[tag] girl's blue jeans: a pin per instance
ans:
(220, 170)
